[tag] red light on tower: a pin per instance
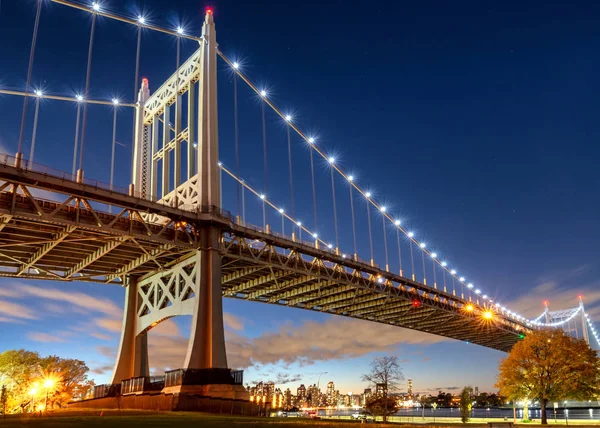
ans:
(145, 81)
(545, 303)
(580, 297)
(209, 10)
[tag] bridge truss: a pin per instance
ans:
(68, 237)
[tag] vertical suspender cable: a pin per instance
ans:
(314, 189)
(36, 26)
(112, 156)
(424, 270)
(387, 263)
(136, 87)
(353, 222)
(87, 90)
(444, 271)
(35, 124)
(370, 232)
(264, 135)
(74, 169)
(243, 203)
(412, 260)
(114, 143)
(264, 215)
(289, 142)
(237, 141)
(335, 224)
(434, 279)
(399, 251)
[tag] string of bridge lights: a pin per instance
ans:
(99, 8)
(312, 142)
(593, 329)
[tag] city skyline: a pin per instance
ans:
(482, 188)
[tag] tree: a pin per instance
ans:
(465, 404)
(25, 373)
(18, 368)
(382, 406)
(549, 365)
(385, 376)
(70, 374)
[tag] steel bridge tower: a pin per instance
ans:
(170, 167)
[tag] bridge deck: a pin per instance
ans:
(53, 228)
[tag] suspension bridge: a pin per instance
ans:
(168, 238)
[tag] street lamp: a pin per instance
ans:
(49, 383)
(32, 392)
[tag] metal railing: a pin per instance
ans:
(204, 377)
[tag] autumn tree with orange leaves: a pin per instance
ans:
(549, 365)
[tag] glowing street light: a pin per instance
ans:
(488, 315)
(368, 194)
(180, 31)
(422, 245)
(288, 118)
(411, 234)
(311, 140)
(236, 65)
(39, 93)
(48, 383)
(79, 98)
(141, 19)
(331, 160)
(397, 223)
(115, 101)
(96, 6)
(469, 308)
(433, 255)
(263, 93)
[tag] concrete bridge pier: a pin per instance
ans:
(132, 358)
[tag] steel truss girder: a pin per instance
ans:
(46, 248)
(99, 253)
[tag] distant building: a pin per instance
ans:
(331, 394)
(476, 391)
(410, 387)
(301, 396)
(380, 389)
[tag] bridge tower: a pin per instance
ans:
(176, 163)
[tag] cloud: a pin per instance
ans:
(233, 322)
(166, 328)
(101, 336)
(10, 320)
(447, 388)
(77, 299)
(44, 337)
(335, 339)
(100, 370)
(5, 292)
(9, 310)
(110, 324)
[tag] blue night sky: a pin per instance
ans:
(474, 122)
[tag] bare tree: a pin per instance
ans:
(385, 376)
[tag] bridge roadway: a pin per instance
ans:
(53, 228)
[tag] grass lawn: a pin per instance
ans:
(137, 418)
(164, 419)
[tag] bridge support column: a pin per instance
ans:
(206, 348)
(132, 359)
